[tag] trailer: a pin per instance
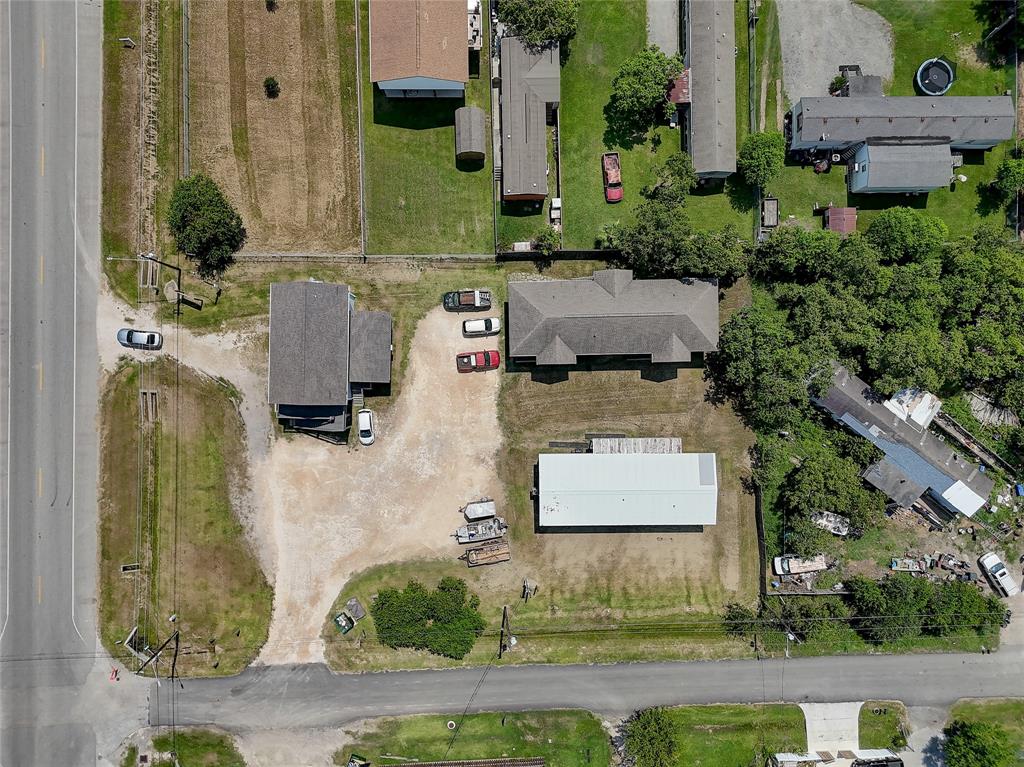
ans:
(484, 530)
(836, 524)
(795, 566)
(482, 509)
(488, 554)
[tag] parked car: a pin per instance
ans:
(467, 300)
(364, 423)
(612, 172)
(1002, 582)
(485, 327)
(147, 340)
(467, 362)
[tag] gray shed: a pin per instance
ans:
(470, 133)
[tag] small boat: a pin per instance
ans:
(482, 509)
(484, 530)
(488, 554)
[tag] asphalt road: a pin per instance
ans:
(50, 116)
(312, 696)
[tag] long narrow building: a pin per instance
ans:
(710, 61)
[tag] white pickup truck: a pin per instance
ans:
(796, 566)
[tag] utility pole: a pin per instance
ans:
(504, 629)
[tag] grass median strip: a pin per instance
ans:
(562, 738)
(166, 488)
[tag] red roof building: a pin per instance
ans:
(842, 220)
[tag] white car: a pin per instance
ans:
(487, 326)
(1002, 582)
(364, 423)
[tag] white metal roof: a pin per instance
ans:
(963, 499)
(628, 489)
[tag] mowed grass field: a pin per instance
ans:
(601, 597)
(418, 200)
(609, 32)
(562, 738)
(289, 165)
(715, 736)
(175, 519)
(920, 31)
(1008, 713)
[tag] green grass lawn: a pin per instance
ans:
(609, 32)
(946, 28)
(883, 729)
(920, 30)
(1007, 713)
(175, 519)
(715, 736)
(198, 747)
(417, 199)
(562, 738)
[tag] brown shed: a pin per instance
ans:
(842, 220)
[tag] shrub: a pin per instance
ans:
(977, 744)
(271, 88)
(649, 738)
(444, 621)
(205, 226)
(762, 157)
(1010, 176)
(547, 241)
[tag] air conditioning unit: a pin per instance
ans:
(836, 158)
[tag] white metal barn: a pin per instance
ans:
(634, 491)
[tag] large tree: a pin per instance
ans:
(762, 157)
(826, 481)
(1010, 176)
(205, 226)
(977, 744)
(904, 234)
(640, 87)
(676, 179)
(538, 21)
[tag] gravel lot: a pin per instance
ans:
(819, 35)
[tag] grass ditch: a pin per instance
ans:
(180, 527)
(883, 724)
(564, 738)
(735, 734)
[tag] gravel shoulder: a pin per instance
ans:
(819, 35)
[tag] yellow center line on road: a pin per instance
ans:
(40, 376)
(42, 51)
(42, 262)
(42, 159)
(39, 589)
(39, 483)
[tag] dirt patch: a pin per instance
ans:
(339, 510)
(273, 748)
(819, 35)
(289, 164)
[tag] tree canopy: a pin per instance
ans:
(444, 621)
(761, 157)
(977, 744)
(649, 738)
(1010, 176)
(205, 226)
(640, 87)
(539, 21)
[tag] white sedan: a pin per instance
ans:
(487, 326)
(1000, 578)
(364, 423)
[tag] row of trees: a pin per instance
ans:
(901, 305)
(896, 608)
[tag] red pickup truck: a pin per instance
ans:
(612, 177)
(467, 362)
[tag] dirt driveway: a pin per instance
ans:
(339, 510)
(819, 35)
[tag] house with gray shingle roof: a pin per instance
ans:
(611, 314)
(323, 354)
